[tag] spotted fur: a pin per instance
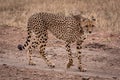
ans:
(69, 29)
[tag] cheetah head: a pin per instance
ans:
(88, 25)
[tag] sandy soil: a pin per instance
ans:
(100, 59)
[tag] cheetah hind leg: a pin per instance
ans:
(43, 55)
(30, 56)
(34, 45)
(43, 40)
(70, 63)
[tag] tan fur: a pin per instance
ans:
(70, 29)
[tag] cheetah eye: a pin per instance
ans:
(86, 26)
(93, 26)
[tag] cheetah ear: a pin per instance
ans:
(83, 19)
(77, 17)
(92, 17)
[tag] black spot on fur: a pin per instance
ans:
(20, 47)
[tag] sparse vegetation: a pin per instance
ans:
(16, 12)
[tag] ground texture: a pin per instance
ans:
(101, 58)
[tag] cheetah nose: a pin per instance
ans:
(90, 31)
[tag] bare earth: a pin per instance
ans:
(100, 59)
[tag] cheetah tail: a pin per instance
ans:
(21, 47)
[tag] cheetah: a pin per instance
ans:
(67, 28)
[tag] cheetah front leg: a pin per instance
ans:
(43, 40)
(68, 49)
(79, 47)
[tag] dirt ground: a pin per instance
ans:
(101, 58)
(100, 53)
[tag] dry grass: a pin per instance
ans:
(16, 12)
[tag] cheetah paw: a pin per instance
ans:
(81, 70)
(69, 65)
(51, 65)
(32, 63)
